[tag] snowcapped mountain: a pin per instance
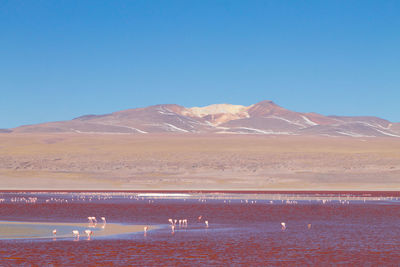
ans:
(265, 118)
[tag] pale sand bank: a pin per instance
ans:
(27, 230)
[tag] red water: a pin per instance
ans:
(362, 234)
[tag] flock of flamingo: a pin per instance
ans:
(274, 198)
(88, 232)
(181, 223)
(93, 223)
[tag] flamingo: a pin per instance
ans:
(146, 228)
(88, 233)
(171, 221)
(92, 221)
(104, 220)
(54, 232)
(283, 226)
(75, 233)
(206, 222)
(200, 218)
(173, 228)
(180, 223)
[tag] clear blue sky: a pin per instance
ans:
(61, 59)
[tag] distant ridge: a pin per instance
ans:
(264, 118)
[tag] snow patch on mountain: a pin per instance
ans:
(308, 121)
(218, 109)
(283, 119)
(176, 129)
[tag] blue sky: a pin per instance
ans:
(61, 59)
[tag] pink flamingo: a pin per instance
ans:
(206, 222)
(104, 222)
(92, 221)
(88, 233)
(75, 233)
(283, 226)
(54, 232)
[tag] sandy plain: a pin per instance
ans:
(197, 162)
(18, 230)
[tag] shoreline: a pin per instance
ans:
(298, 192)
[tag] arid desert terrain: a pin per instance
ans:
(68, 161)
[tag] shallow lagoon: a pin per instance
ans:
(243, 229)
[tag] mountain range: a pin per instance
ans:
(264, 118)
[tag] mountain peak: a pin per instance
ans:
(266, 107)
(264, 117)
(266, 103)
